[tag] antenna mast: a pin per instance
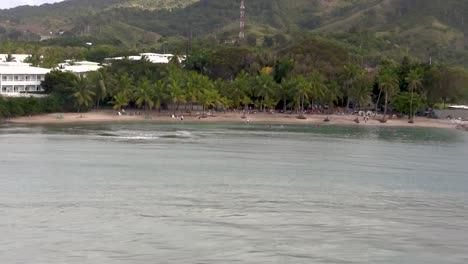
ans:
(242, 21)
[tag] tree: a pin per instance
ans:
(10, 58)
(351, 73)
(83, 95)
(58, 82)
(414, 80)
(193, 86)
(175, 90)
(286, 88)
(332, 93)
(35, 59)
(175, 61)
(144, 95)
(197, 61)
(317, 85)
(361, 90)
(99, 88)
(301, 92)
(268, 41)
(388, 84)
(158, 94)
(125, 86)
(209, 97)
(404, 101)
(239, 90)
(120, 100)
(283, 69)
(280, 39)
(265, 87)
(252, 40)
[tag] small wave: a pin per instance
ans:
(137, 137)
(184, 134)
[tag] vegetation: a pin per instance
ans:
(369, 29)
(301, 79)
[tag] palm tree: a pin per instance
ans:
(126, 86)
(362, 90)
(317, 85)
(82, 94)
(144, 95)
(351, 73)
(414, 80)
(301, 92)
(99, 87)
(285, 90)
(238, 91)
(9, 58)
(332, 94)
(209, 97)
(175, 91)
(193, 87)
(120, 100)
(388, 84)
(265, 87)
(35, 59)
(158, 94)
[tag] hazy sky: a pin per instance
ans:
(13, 3)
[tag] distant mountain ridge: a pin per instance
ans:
(423, 28)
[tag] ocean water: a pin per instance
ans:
(221, 193)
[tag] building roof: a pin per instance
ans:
(151, 57)
(80, 68)
(86, 63)
(16, 57)
(462, 107)
(21, 68)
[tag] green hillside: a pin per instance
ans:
(375, 28)
(155, 4)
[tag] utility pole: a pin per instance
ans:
(242, 21)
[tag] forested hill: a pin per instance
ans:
(419, 28)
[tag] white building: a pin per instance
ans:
(158, 58)
(16, 57)
(80, 68)
(20, 78)
(151, 57)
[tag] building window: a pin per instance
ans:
(16, 78)
(4, 78)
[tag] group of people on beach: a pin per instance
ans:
(176, 117)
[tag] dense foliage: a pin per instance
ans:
(12, 107)
(314, 76)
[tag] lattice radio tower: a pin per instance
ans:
(242, 21)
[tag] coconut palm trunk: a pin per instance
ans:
(384, 118)
(377, 103)
(284, 104)
(411, 106)
(302, 105)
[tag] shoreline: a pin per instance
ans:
(228, 117)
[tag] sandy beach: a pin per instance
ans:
(229, 117)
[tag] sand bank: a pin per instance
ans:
(230, 117)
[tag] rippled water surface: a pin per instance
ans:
(198, 193)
